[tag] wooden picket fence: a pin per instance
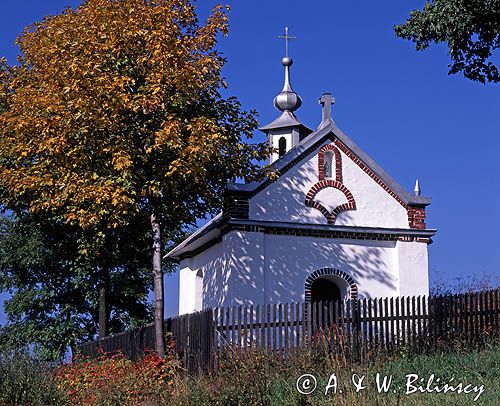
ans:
(352, 329)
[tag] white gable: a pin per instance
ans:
(284, 199)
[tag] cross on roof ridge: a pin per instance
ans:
(326, 100)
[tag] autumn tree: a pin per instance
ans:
(470, 29)
(115, 113)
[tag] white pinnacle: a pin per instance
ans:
(417, 190)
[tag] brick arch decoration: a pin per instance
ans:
(338, 162)
(330, 216)
(332, 272)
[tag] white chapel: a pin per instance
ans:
(331, 225)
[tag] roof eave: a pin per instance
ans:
(213, 224)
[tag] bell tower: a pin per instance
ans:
(286, 131)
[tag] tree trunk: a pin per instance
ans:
(103, 303)
(158, 286)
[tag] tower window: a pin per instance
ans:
(282, 146)
(328, 165)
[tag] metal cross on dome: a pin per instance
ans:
(286, 37)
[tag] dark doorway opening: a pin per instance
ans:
(325, 290)
(324, 294)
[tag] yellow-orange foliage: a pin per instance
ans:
(98, 118)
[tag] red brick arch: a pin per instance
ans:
(330, 216)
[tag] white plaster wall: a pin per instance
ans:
(213, 264)
(413, 268)
(245, 277)
(232, 273)
(256, 268)
(290, 260)
(283, 200)
(186, 286)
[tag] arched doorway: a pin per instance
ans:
(347, 286)
(324, 289)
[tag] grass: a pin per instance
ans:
(263, 381)
(25, 381)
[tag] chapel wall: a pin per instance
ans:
(372, 265)
(285, 199)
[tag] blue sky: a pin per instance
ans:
(399, 105)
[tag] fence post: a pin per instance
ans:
(356, 321)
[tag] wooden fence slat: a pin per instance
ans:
(312, 322)
(253, 329)
(331, 325)
(444, 318)
(268, 327)
(274, 324)
(262, 324)
(413, 323)
(227, 323)
(461, 319)
(357, 329)
(280, 327)
(470, 318)
(392, 335)
(425, 307)
(386, 323)
(323, 323)
(382, 330)
(419, 321)
(215, 347)
(232, 329)
(496, 306)
(475, 309)
(449, 326)
(307, 325)
(404, 324)
(258, 327)
(481, 314)
(365, 331)
(370, 324)
(467, 317)
(303, 326)
(477, 328)
(337, 327)
(398, 321)
(239, 344)
(297, 326)
(490, 312)
(347, 327)
(245, 326)
(285, 321)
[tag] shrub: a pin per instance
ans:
(27, 381)
(113, 379)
